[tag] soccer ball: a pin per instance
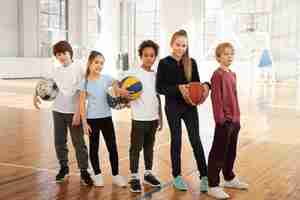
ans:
(46, 89)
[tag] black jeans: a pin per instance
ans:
(142, 138)
(223, 152)
(105, 125)
(190, 117)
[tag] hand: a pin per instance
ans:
(183, 88)
(76, 119)
(185, 94)
(36, 102)
(227, 123)
(205, 93)
(127, 105)
(160, 125)
(122, 92)
(87, 129)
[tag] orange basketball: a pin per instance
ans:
(196, 91)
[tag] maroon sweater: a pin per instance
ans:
(224, 96)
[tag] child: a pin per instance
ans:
(173, 76)
(227, 117)
(66, 112)
(146, 118)
(97, 116)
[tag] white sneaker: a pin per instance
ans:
(98, 180)
(218, 193)
(236, 184)
(119, 181)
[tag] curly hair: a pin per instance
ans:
(148, 44)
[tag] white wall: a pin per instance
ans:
(9, 28)
(19, 32)
(181, 15)
(28, 28)
(75, 23)
(109, 43)
(12, 67)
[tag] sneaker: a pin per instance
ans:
(150, 179)
(98, 180)
(86, 178)
(62, 174)
(236, 184)
(135, 186)
(218, 193)
(119, 181)
(204, 184)
(179, 184)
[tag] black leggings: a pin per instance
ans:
(142, 138)
(190, 117)
(105, 125)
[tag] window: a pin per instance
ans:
(139, 21)
(53, 24)
(94, 22)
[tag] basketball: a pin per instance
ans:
(46, 89)
(196, 91)
(133, 85)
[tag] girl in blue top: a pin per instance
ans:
(96, 116)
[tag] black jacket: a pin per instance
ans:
(170, 74)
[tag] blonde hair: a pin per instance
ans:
(186, 57)
(221, 48)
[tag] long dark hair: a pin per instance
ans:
(92, 56)
(186, 57)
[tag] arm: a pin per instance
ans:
(49, 74)
(80, 78)
(76, 116)
(196, 78)
(217, 98)
(117, 90)
(162, 85)
(36, 101)
(160, 114)
(82, 110)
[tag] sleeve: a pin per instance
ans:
(82, 85)
(195, 73)
(80, 76)
(162, 85)
(110, 80)
(217, 99)
(82, 71)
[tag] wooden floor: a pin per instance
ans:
(268, 154)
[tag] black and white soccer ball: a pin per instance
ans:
(47, 89)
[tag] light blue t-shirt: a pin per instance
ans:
(97, 106)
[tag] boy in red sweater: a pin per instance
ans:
(227, 117)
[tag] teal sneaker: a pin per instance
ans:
(204, 184)
(179, 184)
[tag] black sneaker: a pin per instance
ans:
(62, 174)
(86, 178)
(150, 179)
(135, 185)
